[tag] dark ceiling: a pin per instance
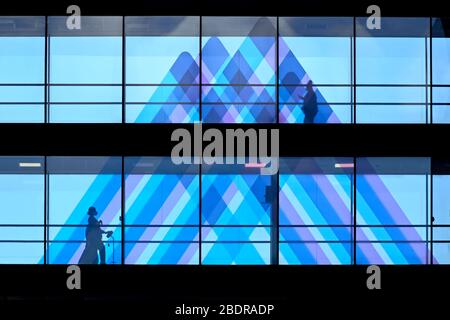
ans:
(228, 7)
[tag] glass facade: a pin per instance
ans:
(238, 69)
(237, 215)
(318, 50)
(22, 61)
(85, 71)
(162, 69)
(161, 212)
(316, 213)
(73, 185)
(332, 211)
(393, 210)
(441, 65)
(224, 70)
(22, 192)
(392, 71)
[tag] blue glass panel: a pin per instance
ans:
(94, 61)
(22, 198)
(162, 54)
(236, 203)
(157, 208)
(22, 59)
(315, 199)
(392, 211)
(70, 198)
(238, 66)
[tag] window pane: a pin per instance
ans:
(162, 69)
(162, 212)
(85, 70)
(441, 212)
(316, 210)
(22, 57)
(441, 70)
(392, 71)
(317, 50)
(236, 215)
(238, 69)
(77, 232)
(22, 217)
(392, 210)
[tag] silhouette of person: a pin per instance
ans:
(309, 103)
(94, 242)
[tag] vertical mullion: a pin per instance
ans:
(276, 185)
(47, 207)
(277, 66)
(427, 203)
(46, 42)
(432, 215)
(200, 62)
(275, 218)
(426, 81)
(354, 71)
(123, 196)
(354, 210)
(352, 114)
(122, 230)
(354, 123)
(45, 121)
(431, 121)
(123, 70)
(200, 215)
(431, 70)
(45, 210)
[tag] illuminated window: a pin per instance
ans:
(75, 184)
(162, 69)
(317, 50)
(22, 216)
(392, 71)
(392, 203)
(237, 215)
(239, 69)
(441, 71)
(162, 212)
(316, 210)
(85, 70)
(22, 76)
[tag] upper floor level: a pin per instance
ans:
(185, 69)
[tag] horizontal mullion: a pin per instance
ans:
(238, 85)
(159, 103)
(84, 85)
(161, 85)
(230, 241)
(83, 102)
(204, 103)
(349, 85)
(358, 241)
(22, 241)
(239, 103)
(393, 103)
(235, 225)
(218, 85)
(320, 103)
(22, 84)
(22, 103)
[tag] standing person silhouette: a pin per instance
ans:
(309, 103)
(94, 242)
